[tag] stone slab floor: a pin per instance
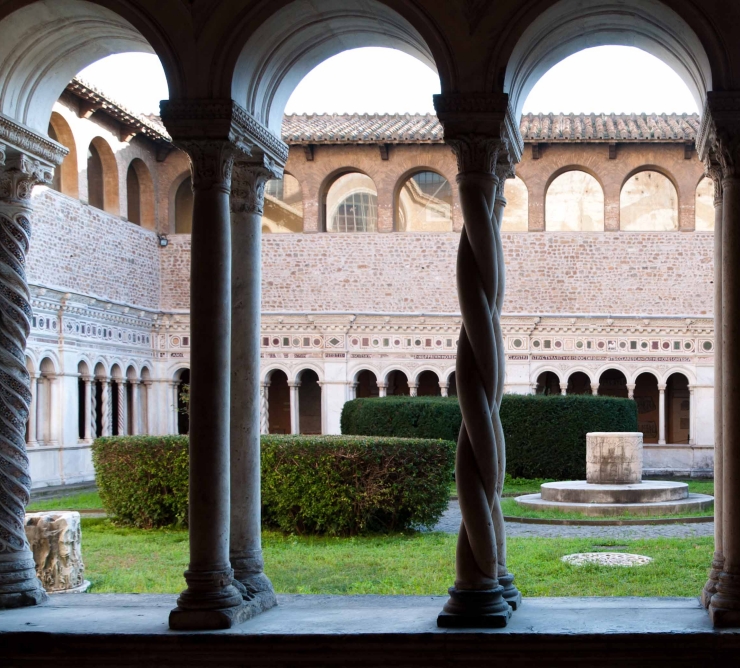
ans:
(131, 630)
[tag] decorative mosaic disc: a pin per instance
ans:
(606, 559)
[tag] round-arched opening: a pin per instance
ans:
(613, 383)
(351, 204)
(278, 398)
(424, 203)
(578, 383)
(367, 385)
(648, 202)
(574, 202)
(398, 384)
(516, 214)
(83, 401)
(451, 385)
(283, 211)
(570, 26)
(184, 207)
(548, 384)
(428, 384)
(183, 401)
(65, 175)
(102, 177)
(646, 397)
(309, 403)
(140, 194)
(677, 409)
(704, 206)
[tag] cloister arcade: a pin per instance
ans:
(231, 67)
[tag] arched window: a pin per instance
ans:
(140, 194)
(367, 385)
(352, 204)
(309, 403)
(278, 401)
(184, 207)
(283, 205)
(65, 175)
(516, 213)
(648, 203)
(578, 383)
(398, 384)
(95, 190)
(428, 384)
(425, 204)
(548, 383)
(647, 399)
(133, 196)
(613, 383)
(678, 409)
(704, 221)
(574, 203)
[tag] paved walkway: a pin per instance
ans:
(450, 523)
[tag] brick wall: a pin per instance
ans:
(606, 273)
(83, 249)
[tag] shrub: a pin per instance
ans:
(310, 484)
(545, 435)
(344, 485)
(143, 480)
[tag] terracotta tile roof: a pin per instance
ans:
(425, 128)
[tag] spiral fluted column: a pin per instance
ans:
(265, 407)
(19, 585)
(106, 407)
(121, 399)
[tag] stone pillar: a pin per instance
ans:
(714, 171)
(87, 405)
(661, 413)
(19, 172)
(32, 424)
(245, 553)
(413, 388)
(144, 398)
(692, 414)
(481, 132)
(295, 415)
(93, 409)
(175, 413)
(210, 132)
(265, 407)
(444, 388)
(595, 389)
(382, 389)
(121, 391)
(631, 390)
(352, 391)
(42, 410)
(105, 407)
(134, 407)
(563, 388)
(54, 428)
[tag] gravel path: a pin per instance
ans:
(450, 523)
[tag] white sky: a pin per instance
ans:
(373, 80)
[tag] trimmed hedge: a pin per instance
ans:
(337, 485)
(545, 435)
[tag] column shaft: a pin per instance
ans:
(413, 389)
(121, 390)
(661, 414)
(105, 407)
(87, 408)
(265, 408)
(382, 389)
(295, 415)
(32, 433)
(135, 407)
(247, 200)
(93, 409)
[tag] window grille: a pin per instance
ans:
(358, 212)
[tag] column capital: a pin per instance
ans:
(718, 139)
(294, 383)
(662, 387)
(19, 173)
(379, 384)
(86, 377)
(248, 182)
(265, 383)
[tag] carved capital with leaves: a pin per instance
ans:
(19, 174)
(248, 184)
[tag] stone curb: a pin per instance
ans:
(612, 523)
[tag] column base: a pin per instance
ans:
(710, 588)
(209, 603)
(211, 620)
(19, 586)
(257, 590)
(475, 609)
(511, 594)
(724, 607)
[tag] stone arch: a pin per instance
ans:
(423, 201)
(647, 398)
(678, 424)
(43, 45)
(543, 369)
(648, 201)
(277, 54)
(348, 202)
(613, 382)
(427, 383)
(278, 400)
(102, 177)
(309, 401)
(269, 371)
(396, 380)
(548, 382)
(565, 212)
(570, 26)
(308, 367)
(516, 213)
(579, 382)
(366, 383)
(65, 175)
(140, 194)
(704, 205)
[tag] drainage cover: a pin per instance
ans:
(606, 559)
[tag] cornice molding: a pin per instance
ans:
(18, 138)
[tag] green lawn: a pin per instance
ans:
(131, 560)
(81, 501)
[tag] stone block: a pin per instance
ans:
(614, 458)
(56, 543)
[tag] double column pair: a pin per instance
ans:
(481, 131)
(232, 157)
(718, 144)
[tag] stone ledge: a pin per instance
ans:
(124, 630)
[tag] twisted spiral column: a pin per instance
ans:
(105, 406)
(93, 406)
(265, 407)
(19, 585)
(477, 597)
(121, 422)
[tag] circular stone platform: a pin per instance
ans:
(606, 559)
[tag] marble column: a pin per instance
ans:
(144, 398)
(444, 388)
(106, 407)
(382, 389)
(247, 202)
(175, 412)
(87, 404)
(714, 171)
(413, 389)
(134, 408)
(563, 388)
(692, 414)
(474, 127)
(53, 385)
(93, 409)
(595, 389)
(631, 390)
(352, 391)
(19, 172)
(205, 132)
(661, 413)
(121, 394)
(42, 409)
(265, 407)
(295, 414)
(32, 424)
